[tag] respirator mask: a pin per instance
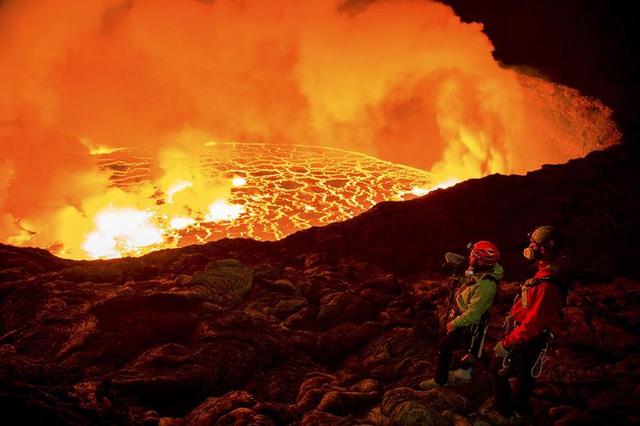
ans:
(544, 243)
(532, 252)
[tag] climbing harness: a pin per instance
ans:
(506, 365)
(538, 366)
(478, 333)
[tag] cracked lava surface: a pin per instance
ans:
(276, 190)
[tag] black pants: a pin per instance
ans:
(522, 359)
(453, 340)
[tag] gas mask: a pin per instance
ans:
(544, 242)
(530, 253)
(535, 251)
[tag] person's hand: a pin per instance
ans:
(507, 322)
(500, 350)
(450, 326)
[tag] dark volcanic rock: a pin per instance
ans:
(15, 260)
(408, 407)
(337, 342)
(331, 326)
(594, 199)
(321, 418)
(213, 408)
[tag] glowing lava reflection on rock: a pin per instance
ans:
(275, 191)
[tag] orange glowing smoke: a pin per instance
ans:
(404, 81)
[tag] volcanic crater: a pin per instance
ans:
(334, 325)
(281, 188)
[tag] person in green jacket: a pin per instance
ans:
(473, 300)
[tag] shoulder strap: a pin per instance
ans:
(487, 276)
(558, 282)
(491, 277)
(552, 279)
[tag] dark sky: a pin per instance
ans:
(589, 45)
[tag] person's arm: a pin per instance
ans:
(478, 305)
(545, 303)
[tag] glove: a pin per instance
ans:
(500, 350)
(507, 321)
(450, 327)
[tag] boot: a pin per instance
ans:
(461, 375)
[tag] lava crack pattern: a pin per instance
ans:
(278, 189)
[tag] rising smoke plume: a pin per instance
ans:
(405, 81)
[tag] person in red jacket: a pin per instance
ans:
(535, 312)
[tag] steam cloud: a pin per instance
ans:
(405, 81)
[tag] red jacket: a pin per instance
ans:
(538, 307)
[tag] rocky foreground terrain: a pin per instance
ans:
(331, 326)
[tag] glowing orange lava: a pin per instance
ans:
(275, 190)
(405, 83)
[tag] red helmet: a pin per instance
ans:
(485, 252)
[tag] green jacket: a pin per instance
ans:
(475, 298)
